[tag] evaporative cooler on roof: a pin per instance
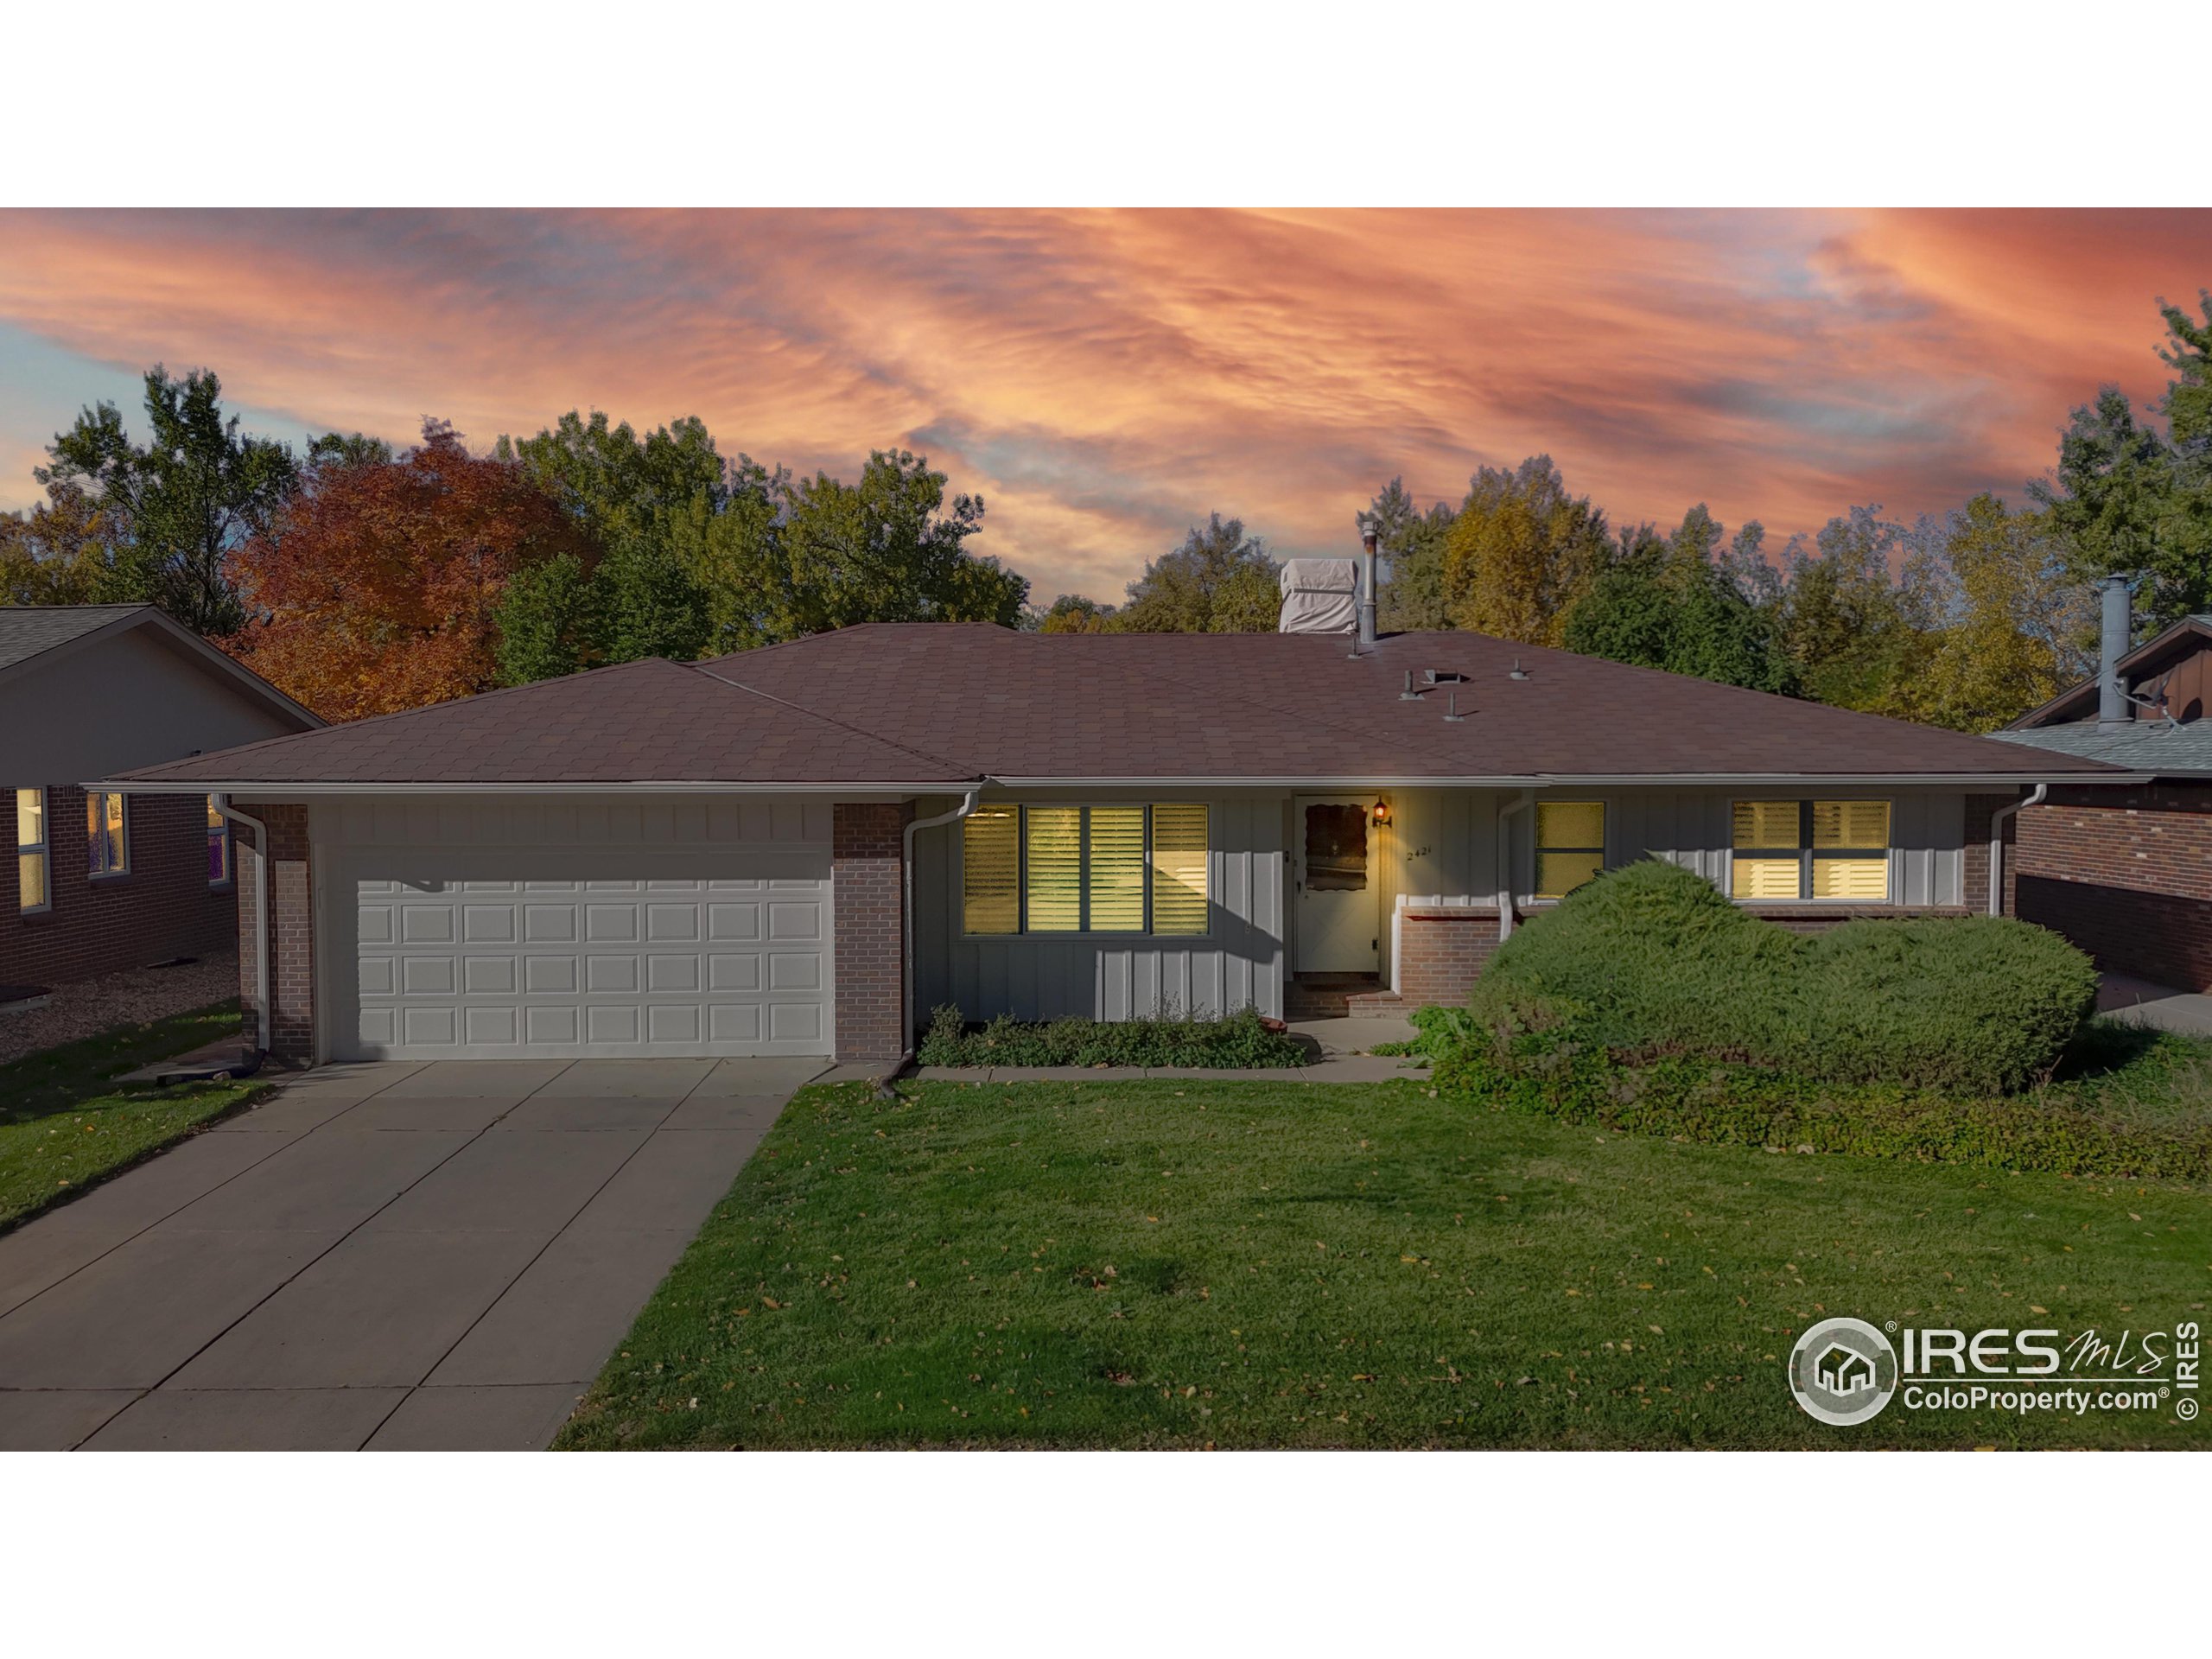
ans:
(1319, 596)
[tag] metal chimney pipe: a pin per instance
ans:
(2114, 709)
(1367, 593)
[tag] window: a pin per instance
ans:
(219, 847)
(1084, 869)
(32, 891)
(1811, 850)
(107, 834)
(1570, 845)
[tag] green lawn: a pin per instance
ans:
(65, 1125)
(1179, 1263)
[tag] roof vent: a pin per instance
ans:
(1517, 672)
(1319, 596)
(1443, 677)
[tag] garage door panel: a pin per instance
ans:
(605, 950)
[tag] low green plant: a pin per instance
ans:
(1652, 960)
(1235, 1041)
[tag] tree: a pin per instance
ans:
(1520, 551)
(1220, 580)
(379, 586)
(1668, 602)
(1858, 635)
(177, 505)
(1412, 598)
(2014, 638)
(2128, 497)
(1073, 614)
(60, 553)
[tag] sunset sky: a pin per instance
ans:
(1105, 378)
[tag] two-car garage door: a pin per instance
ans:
(605, 951)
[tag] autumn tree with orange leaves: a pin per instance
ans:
(378, 587)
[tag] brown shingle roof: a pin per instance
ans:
(938, 702)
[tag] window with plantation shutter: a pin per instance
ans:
(1810, 850)
(1570, 845)
(990, 870)
(1085, 869)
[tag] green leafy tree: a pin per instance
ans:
(1520, 551)
(58, 553)
(177, 504)
(1669, 602)
(1220, 580)
(1412, 597)
(2013, 639)
(2128, 497)
(1073, 614)
(1855, 616)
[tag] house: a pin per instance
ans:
(109, 879)
(2127, 873)
(744, 855)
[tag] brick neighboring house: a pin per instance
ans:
(803, 849)
(2127, 873)
(103, 881)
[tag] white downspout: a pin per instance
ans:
(260, 906)
(968, 805)
(1505, 863)
(1997, 845)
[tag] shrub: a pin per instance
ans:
(1652, 961)
(1237, 1039)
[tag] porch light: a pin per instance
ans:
(1382, 811)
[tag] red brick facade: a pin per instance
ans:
(163, 908)
(1975, 887)
(868, 841)
(1441, 951)
(287, 935)
(2127, 874)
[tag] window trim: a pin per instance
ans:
(1023, 931)
(1537, 849)
(121, 871)
(1806, 853)
(43, 848)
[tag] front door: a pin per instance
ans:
(1336, 897)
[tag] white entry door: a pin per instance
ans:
(605, 952)
(1336, 886)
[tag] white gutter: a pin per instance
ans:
(968, 805)
(260, 906)
(273, 789)
(1997, 821)
(1505, 863)
(1588, 780)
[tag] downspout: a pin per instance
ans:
(968, 805)
(1505, 863)
(1997, 845)
(260, 906)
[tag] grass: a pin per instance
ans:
(66, 1124)
(1188, 1263)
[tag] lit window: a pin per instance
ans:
(219, 847)
(1811, 850)
(107, 834)
(1084, 869)
(1570, 845)
(33, 890)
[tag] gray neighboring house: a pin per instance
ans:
(108, 879)
(801, 849)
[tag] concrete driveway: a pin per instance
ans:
(427, 1257)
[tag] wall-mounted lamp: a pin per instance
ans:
(1382, 811)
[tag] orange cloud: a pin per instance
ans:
(1105, 378)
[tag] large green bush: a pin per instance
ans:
(1651, 961)
(1239, 1040)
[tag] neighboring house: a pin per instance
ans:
(2126, 874)
(113, 880)
(713, 858)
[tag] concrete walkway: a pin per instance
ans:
(427, 1257)
(2143, 1003)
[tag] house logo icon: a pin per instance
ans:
(1843, 1372)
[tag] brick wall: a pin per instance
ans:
(288, 932)
(163, 908)
(2127, 874)
(1441, 951)
(866, 840)
(1974, 886)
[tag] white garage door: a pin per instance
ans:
(602, 952)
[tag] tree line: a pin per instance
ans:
(362, 580)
